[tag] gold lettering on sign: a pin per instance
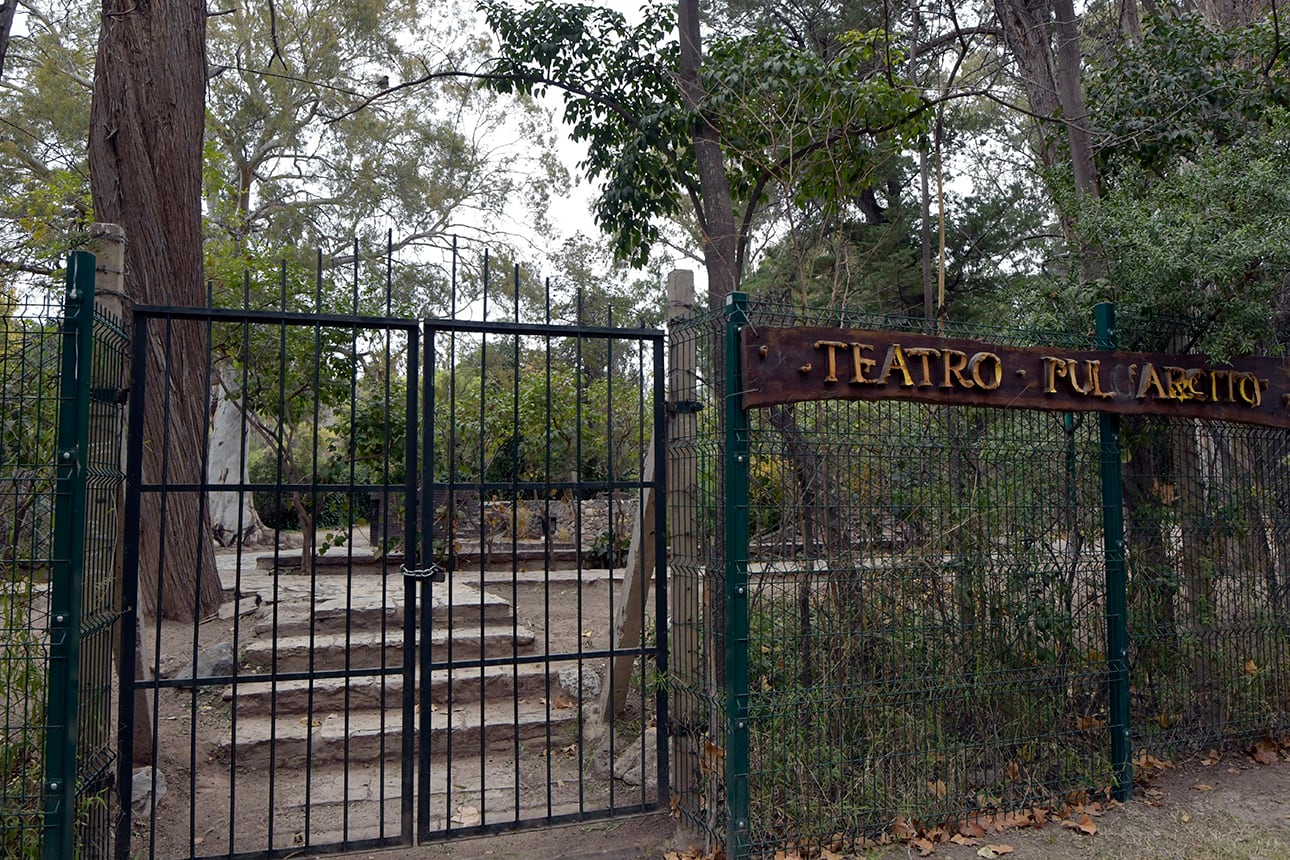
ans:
(1051, 363)
(942, 372)
(860, 364)
(1095, 372)
(955, 363)
(993, 376)
(1252, 393)
(833, 346)
(1150, 379)
(1193, 383)
(895, 360)
(924, 353)
(1069, 369)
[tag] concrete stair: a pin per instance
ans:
(463, 683)
(368, 735)
(321, 760)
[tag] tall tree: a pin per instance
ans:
(145, 154)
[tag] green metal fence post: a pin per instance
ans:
(736, 540)
(1117, 621)
(68, 556)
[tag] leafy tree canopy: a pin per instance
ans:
(791, 121)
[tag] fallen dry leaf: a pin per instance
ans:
(1084, 824)
(924, 846)
(971, 829)
(467, 816)
(937, 788)
(1013, 820)
(1251, 668)
(1186, 816)
(902, 829)
(1212, 757)
(1202, 786)
(1001, 849)
(960, 839)
(1265, 752)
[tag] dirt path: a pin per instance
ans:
(1232, 809)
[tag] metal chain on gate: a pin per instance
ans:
(434, 572)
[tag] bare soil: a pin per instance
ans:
(1233, 809)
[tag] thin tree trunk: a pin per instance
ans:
(234, 520)
(717, 219)
(7, 8)
(145, 152)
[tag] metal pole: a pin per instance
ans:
(736, 539)
(1117, 629)
(68, 559)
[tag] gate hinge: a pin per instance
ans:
(675, 407)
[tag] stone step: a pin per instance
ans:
(501, 555)
(463, 684)
(365, 648)
(363, 800)
(328, 608)
(290, 742)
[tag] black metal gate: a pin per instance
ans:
(448, 627)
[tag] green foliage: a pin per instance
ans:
(620, 98)
(808, 121)
(23, 660)
(1208, 243)
(608, 549)
(787, 116)
(1188, 88)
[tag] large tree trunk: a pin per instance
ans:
(145, 156)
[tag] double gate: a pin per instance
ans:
(457, 654)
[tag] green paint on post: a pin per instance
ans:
(68, 559)
(1117, 621)
(736, 540)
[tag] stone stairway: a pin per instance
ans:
(499, 714)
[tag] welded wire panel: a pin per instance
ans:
(695, 575)
(1208, 528)
(104, 481)
(29, 365)
(927, 627)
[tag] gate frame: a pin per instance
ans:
(415, 751)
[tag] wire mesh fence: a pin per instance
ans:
(30, 348)
(926, 603)
(61, 377)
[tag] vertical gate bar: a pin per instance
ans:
(1117, 633)
(548, 532)
(483, 556)
(515, 555)
(384, 537)
(422, 750)
(736, 552)
(661, 631)
(308, 561)
(578, 536)
(68, 559)
(613, 547)
(127, 682)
